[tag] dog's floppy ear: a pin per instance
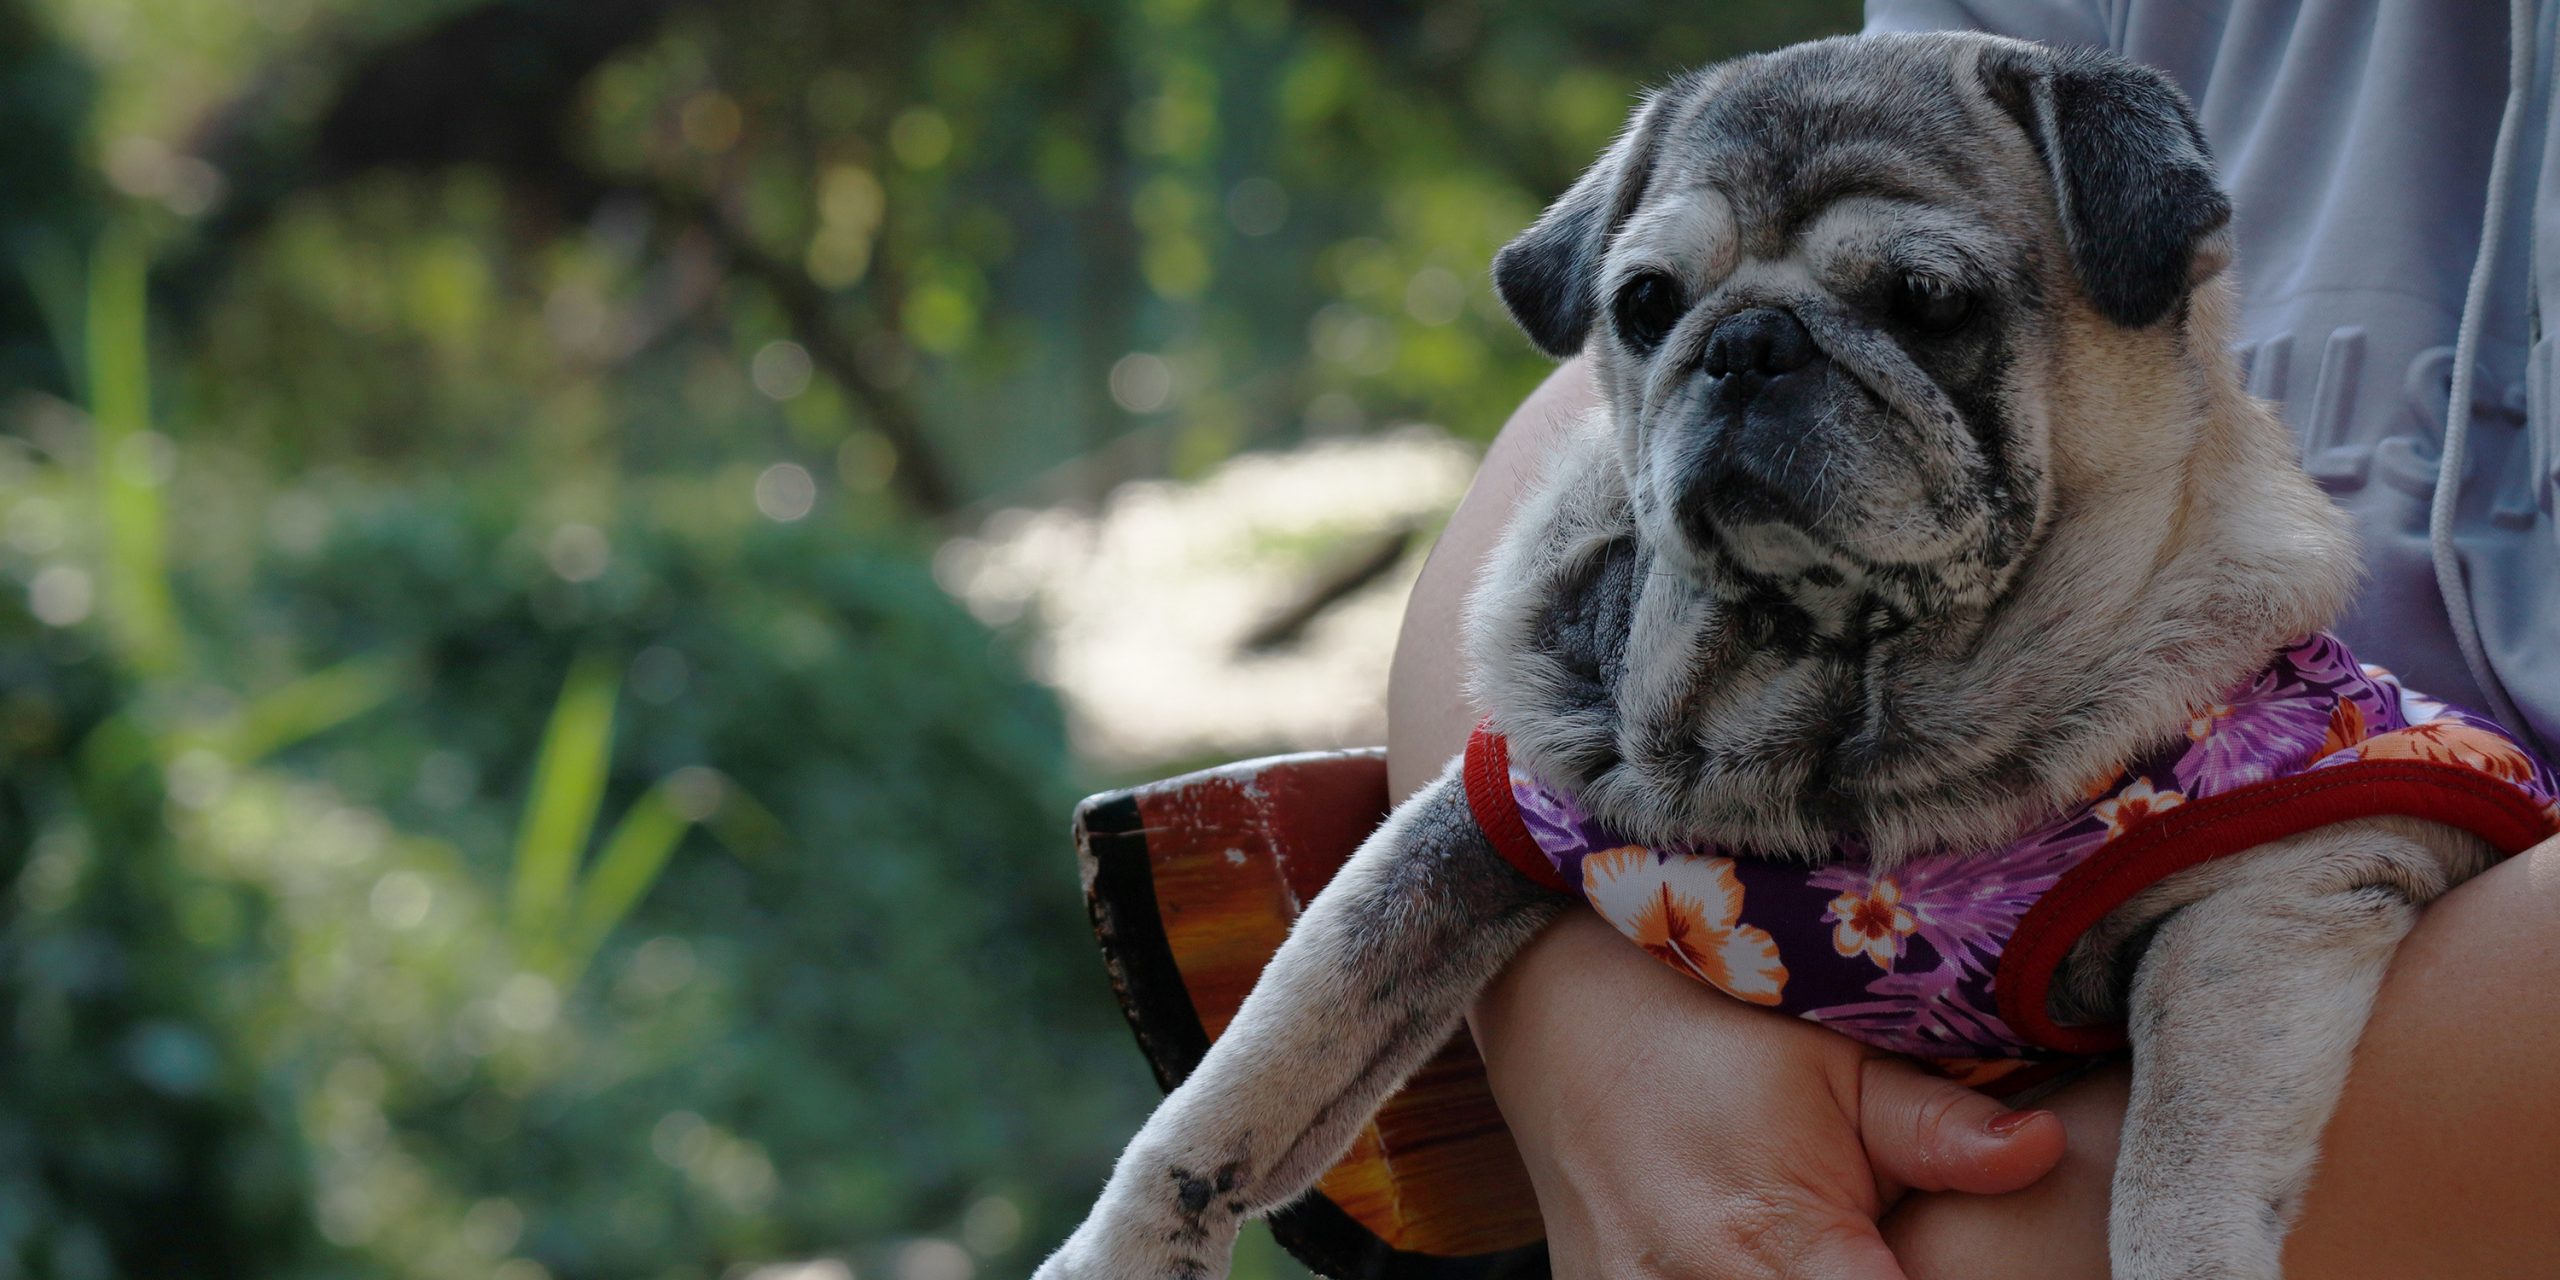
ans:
(1549, 276)
(2132, 178)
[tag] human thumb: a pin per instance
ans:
(1923, 1133)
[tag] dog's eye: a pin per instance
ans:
(1647, 307)
(1933, 307)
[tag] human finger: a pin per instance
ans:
(1925, 1133)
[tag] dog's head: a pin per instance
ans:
(1823, 290)
(1929, 489)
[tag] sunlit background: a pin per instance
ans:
(562, 563)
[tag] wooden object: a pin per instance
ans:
(1193, 882)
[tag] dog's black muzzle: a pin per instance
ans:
(1762, 457)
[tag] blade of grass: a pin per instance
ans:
(141, 618)
(633, 856)
(309, 706)
(749, 831)
(560, 809)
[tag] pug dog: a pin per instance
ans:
(1925, 492)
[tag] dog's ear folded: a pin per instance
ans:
(2132, 178)
(1549, 277)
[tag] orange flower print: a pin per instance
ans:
(2346, 728)
(2135, 803)
(2101, 783)
(2201, 721)
(1687, 911)
(1874, 922)
(2453, 742)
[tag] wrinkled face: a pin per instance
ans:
(1811, 363)
(1819, 290)
(1812, 329)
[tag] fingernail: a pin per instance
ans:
(2009, 1122)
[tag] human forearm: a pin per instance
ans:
(1428, 714)
(2443, 1158)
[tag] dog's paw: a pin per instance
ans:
(2195, 1246)
(1187, 1231)
(1098, 1251)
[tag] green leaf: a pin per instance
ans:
(310, 706)
(141, 617)
(560, 811)
(633, 855)
(752, 833)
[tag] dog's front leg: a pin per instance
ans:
(2244, 1013)
(1372, 980)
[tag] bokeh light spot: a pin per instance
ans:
(813, 1269)
(992, 1225)
(710, 122)
(921, 136)
(780, 369)
(932, 1259)
(1257, 207)
(528, 1004)
(786, 492)
(492, 1226)
(660, 675)
(400, 900)
(578, 552)
(695, 791)
(661, 967)
(1141, 383)
(678, 1138)
(866, 461)
(1435, 296)
(60, 596)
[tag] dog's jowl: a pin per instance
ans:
(1929, 604)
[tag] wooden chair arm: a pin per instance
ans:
(1193, 882)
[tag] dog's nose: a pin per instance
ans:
(1764, 341)
(1765, 458)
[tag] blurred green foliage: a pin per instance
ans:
(489, 785)
(299, 945)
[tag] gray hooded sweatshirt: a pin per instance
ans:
(2395, 177)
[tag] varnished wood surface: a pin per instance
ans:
(1193, 883)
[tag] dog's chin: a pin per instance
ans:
(1810, 517)
(1779, 551)
(1765, 543)
(1753, 553)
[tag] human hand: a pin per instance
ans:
(1673, 1132)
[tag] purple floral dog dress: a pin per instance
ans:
(1950, 956)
